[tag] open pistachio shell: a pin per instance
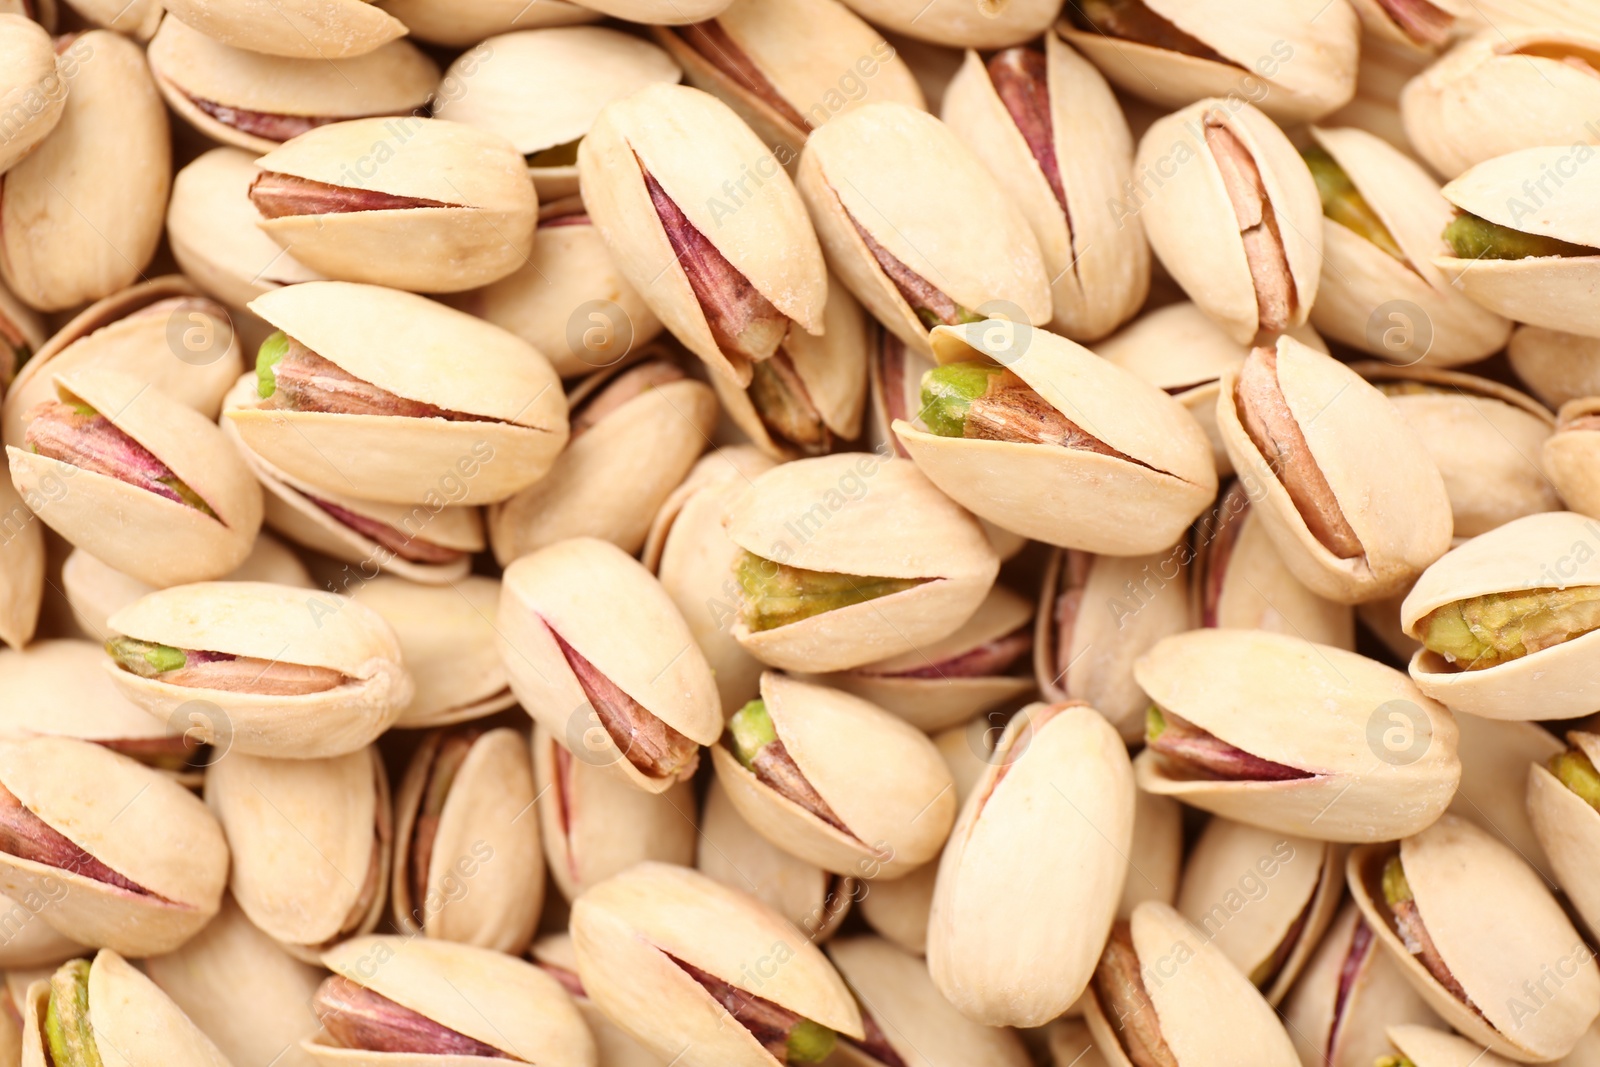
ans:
(137, 823)
(1465, 885)
(1376, 468)
(496, 999)
(1056, 802)
(1556, 367)
(1318, 710)
(1570, 455)
(281, 624)
(637, 933)
(68, 234)
(1095, 256)
(474, 851)
(32, 90)
(1500, 91)
(303, 29)
(1425, 1046)
(959, 24)
(1403, 310)
(880, 777)
(660, 12)
(467, 25)
(1206, 1011)
(897, 910)
(862, 514)
(474, 225)
(1385, 69)
(311, 843)
(22, 565)
(1202, 241)
(555, 954)
(21, 335)
(1135, 494)
(914, 1020)
(1422, 30)
(595, 825)
(1552, 550)
(410, 346)
(901, 179)
(1296, 60)
(1155, 858)
(586, 601)
(1568, 828)
(159, 540)
(1495, 760)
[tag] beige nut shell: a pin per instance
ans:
(960, 23)
(1569, 455)
(34, 90)
(1557, 367)
(304, 29)
(469, 25)
(1568, 828)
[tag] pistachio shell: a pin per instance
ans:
(1314, 708)
(19, 321)
(1155, 859)
(616, 1048)
(1046, 833)
(55, 688)
(1071, 1045)
(1568, 828)
(1565, 14)
(660, 12)
(33, 90)
(1495, 759)
(21, 565)
(134, 820)
(960, 24)
(897, 910)
(968, 750)
(1569, 456)
(1427, 1047)
(30, 942)
(1380, 25)
(304, 29)
(446, 22)
(1557, 367)
(67, 234)
(274, 622)
(1386, 68)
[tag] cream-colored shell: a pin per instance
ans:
(616, 1048)
(1387, 485)
(1555, 549)
(614, 614)
(1557, 367)
(134, 820)
(862, 514)
(1569, 829)
(1191, 223)
(1155, 860)
(897, 910)
(458, 25)
(273, 622)
(629, 931)
(1426, 1047)
(1094, 254)
(1496, 761)
(31, 942)
(56, 688)
(1379, 25)
(968, 750)
(1310, 707)
(1046, 833)
(660, 12)
(876, 167)
(1385, 69)
(68, 235)
(33, 91)
(411, 346)
(882, 777)
(22, 565)
(304, 29)
(1065, 496)
(1570, 456)
(1464, 883)
(17, 318)
(961, 23)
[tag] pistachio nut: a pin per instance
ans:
(1381, 231)
(107, 441)
(1534, 258)
(467, 862)
(311, 842)
(1565, 14)
(1569, 453)
(21, 335)
(67, 234)
(1348, 993)
(1242, 231)
(269, 669)
(1346, 488)
(916, 251)
(1564, 807)
(398, 1000)
(595, 825)
(1386, 67)
(897, 910)
(1264, 898)
(249, 1020)
(948, 681)
(1047, 126)
(1425, 27)
(1296, 742)
(1504, 620)
(116, 854)
(908, 1022)
(104, 1010)
(30, 942)
(1438, 902)
(660, 12)
(959, 24)
(1097, 615)
(22, 565)
(407, 202)
(362, 390)
(1495, 760)
(1155, 860)
(778, 64)
(676, 959)
(301, 29)
(466, 25)
(1556, 367)
(1297, 60)
(1163, 993)
(636, 430)
(1098, 459)
(542, 90)
(1424, 1046)
(599, 656)
(1045, 833)
(555, 955)
(729, 272)
(835, 780)
(32, 88)
(850, 559)
(1072, 1045)
(1498, 92)
(734, 853)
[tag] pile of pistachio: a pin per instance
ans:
(734, 533)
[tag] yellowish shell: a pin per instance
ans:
(459, 25)
(304, 29)
(34, 90)
(961, 23)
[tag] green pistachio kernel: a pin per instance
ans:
(68, 1031)
(1577, 774)
(1393, 1061)
(20, 355)
(272, 350)
(810, 1042)
(1396, 890)
(948, 393)
(1343, 203)
(964, 315)
(751, 730)
(1155, 723)
(145, 658)
(777, 595)
(1471, 237)
(1488, 630)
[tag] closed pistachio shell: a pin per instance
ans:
(21, 565)
(1556, 367)
(660, 12)
(960, 24)
(407, 345)
(1569, 455)
(1495, 759)
(1155, 858)
(867, 176)
(637, 933)
(1552, 550)
(1568, 827)
(468, 25)
(555, 954)
(1317, 710)
(897, 910)
(316, 632)
(32, 90)
(1426, 1047)
(1465, 887)
(137, 824)
(1056, 802)
(303, 29)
